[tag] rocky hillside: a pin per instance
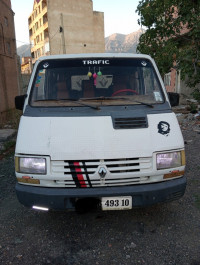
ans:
(123, 43)
(24, 51)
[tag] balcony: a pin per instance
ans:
(45, 21)
(44, 4)
(45, 18)
(30, 32)
(46, 35)
(29, 20)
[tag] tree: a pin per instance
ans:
(172, 37)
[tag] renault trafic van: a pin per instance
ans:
(97, 128)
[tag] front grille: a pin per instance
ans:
(130, 123)
(85, 174)
(126, 165)
(85, 167)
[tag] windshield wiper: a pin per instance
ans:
(73, 100)
(116, 98)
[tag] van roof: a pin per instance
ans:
(94, 55)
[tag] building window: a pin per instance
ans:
(46, 34)
(44, 3)
(6, 21)
(38, 53)
(45, 18)
(46, 47)
(30, 32)
(167, 79)
(30, 20)
(8, 48)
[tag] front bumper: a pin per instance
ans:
(65, 198)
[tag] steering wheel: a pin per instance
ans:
(124, 90)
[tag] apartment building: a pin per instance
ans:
(65, 26)
(26, 65)
(8, 60)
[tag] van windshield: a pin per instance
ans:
(108, 81)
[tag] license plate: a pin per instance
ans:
(116, 203)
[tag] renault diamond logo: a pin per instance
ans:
(102, 172)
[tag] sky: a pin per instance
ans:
(119, 17)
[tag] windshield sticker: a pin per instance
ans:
(42, 72)
(164, 128)
(104, 81)
(37, 83)
(46, 65)
(157, 96)
(76, 81)
(143, 63)
(95, 62)
(38, 80)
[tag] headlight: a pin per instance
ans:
(170, 160)
(30, 165)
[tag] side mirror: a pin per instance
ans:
(19, 102)
(173, 98)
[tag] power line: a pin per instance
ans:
(41, 42)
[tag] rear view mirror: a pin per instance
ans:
(19, 102)
(173, 98)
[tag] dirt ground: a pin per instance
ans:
(159, 235)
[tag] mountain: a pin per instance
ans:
(24, 51)
(123, 43)
(114, 43)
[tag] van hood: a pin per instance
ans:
(86, 138)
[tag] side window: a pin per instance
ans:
(150, 81)
(151, 84)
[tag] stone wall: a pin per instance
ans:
(8, 60)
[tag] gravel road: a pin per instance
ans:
(163, 234)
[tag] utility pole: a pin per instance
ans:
(62, 33)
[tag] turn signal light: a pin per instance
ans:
(174, 174)
(28, 180)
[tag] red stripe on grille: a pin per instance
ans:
(79, 175)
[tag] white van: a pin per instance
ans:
(97, 129)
